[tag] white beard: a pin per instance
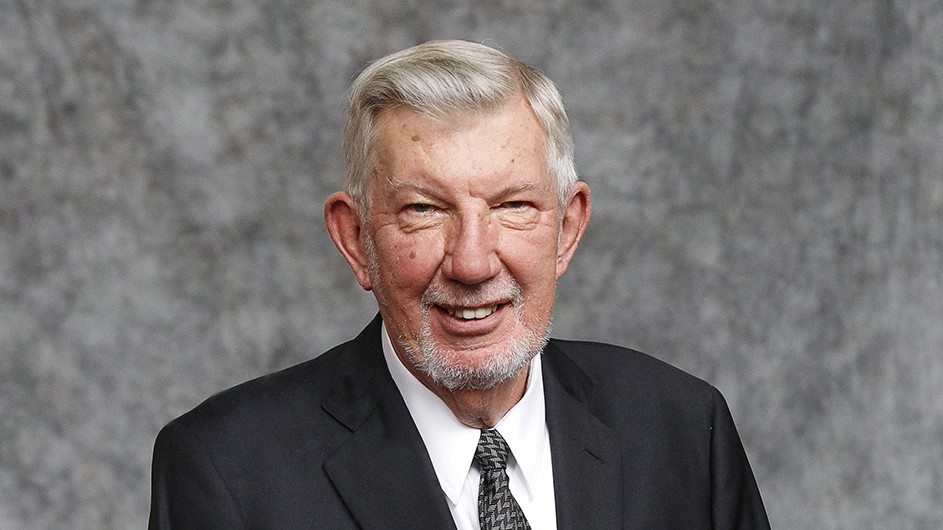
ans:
(428, 358)
(502, 366)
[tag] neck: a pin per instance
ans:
(482, 409)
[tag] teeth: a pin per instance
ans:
(473, 314)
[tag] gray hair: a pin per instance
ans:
(444, 79)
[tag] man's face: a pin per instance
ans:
(462, 243)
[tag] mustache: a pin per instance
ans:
(461, 295)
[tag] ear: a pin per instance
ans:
(344, 226)
(576, 216)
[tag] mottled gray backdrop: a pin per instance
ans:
(768, 216)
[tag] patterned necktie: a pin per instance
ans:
(497, 508)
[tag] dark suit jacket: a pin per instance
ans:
(329, 443)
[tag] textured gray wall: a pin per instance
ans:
(768, 216)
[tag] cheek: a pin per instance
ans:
(532, 262)
(408, 263)
(530, 254)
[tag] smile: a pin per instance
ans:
(471, 313)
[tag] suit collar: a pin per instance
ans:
(586, 454)
(382, 472)
(384, 476)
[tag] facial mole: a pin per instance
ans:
(416, 138)
(412, 255)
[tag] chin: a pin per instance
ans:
(501, 364)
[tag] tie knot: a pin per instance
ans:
(492, 451)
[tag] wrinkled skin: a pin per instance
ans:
(462, 247)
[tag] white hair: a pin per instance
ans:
(448, 79)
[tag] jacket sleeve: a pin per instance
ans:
(735, 497)
(187, 490)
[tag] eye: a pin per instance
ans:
(420, 208)
(517, 214)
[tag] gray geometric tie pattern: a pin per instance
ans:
(497, 508)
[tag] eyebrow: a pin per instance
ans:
(400, 185)
(513, 189)
(516, 188)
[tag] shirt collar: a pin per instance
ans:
(451, 444)
(524, 428)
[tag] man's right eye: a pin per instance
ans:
(420, 208)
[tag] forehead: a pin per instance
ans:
(510, 138)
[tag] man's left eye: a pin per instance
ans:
(513, 205)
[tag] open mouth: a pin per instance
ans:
(471, 313)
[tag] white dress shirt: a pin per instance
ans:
(451, 446)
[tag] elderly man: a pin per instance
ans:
(453, 409)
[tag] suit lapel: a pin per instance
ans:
(382, 472)
(384, 476)
(586, 455)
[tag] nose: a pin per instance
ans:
(471, 252)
